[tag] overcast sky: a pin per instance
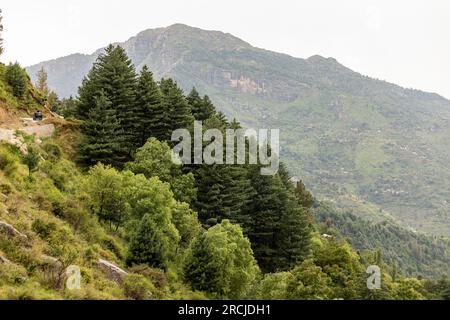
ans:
(402, 41)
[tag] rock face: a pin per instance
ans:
(41, 131)
(3, 260)
(112, 271)
(10, 232)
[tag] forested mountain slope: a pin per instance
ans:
(103, 196)
(362, 143)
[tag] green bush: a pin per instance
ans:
(32, 158)
(17, 79)
(53, 152)
(138, 287)
(157, 276)
(111, 244)
(8, 163)
(12, 274)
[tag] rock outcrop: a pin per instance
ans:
(10, 232)
(3, 260)
(112, 271)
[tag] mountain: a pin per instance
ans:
(364, 144)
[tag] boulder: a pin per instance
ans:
(112, 271)
(11, 232)
(3, 260)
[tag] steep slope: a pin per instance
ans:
(410, 252)
(362, 143)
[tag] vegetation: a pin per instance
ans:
(17, 79)
(367, 144)
(409, 252)
(179, 232)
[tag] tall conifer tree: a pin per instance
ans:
(152, 116)
(175, 105)
(101, 131)
(115, 76)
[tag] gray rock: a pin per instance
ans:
(112, 271)
(3, 260)
(11, 232)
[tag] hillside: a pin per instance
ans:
(361, 143)
(134, 234)
(411, 253)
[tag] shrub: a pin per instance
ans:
(32, 159)
(113, 245)
(8, 163)
(138, 287)
(157, 276)
(12, 274)
(53, 152)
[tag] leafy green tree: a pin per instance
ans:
(408, 289)
(106, 195)
(114, 76)
(221, 262)
(342, 264)
(273, 286)
(154, 159)
(101, 133)
(31, 159)
(152, 196)
(309, 282)
(183, 188)
(17, 79)
(186, 222)
(152, 117)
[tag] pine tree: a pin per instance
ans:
(285, 176)
(209, 197)
(42, 82)
(1, 31)
(446, 291)
(280, 229)
(101, 131)
(153, 120)
(115, 76)
(176, 106)
(303, 196)
(201, 108)
(267, 210)
(147, 245)
(295, 238)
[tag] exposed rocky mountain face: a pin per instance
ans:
(364, 144)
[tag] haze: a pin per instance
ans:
(405, 42)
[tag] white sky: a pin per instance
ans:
(401, 41)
